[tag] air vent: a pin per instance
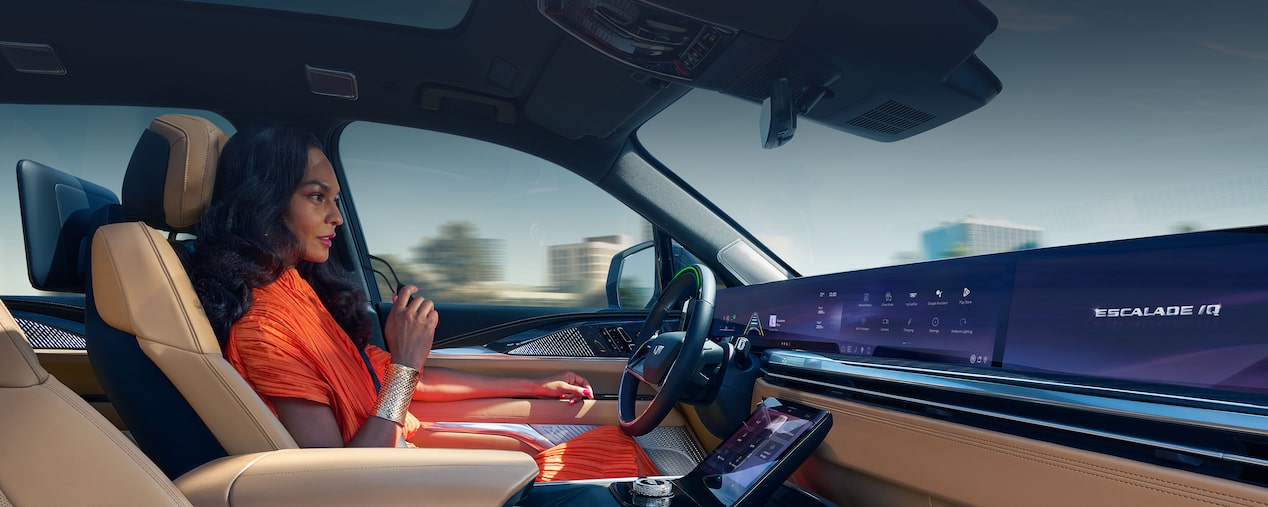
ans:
(332, 83)
(891, 118)
(32, 58)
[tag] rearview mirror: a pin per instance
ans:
(779, 117)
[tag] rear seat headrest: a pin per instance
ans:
(172, 171)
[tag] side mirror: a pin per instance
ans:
(632, 277)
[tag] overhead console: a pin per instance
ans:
(881, 70)
(1187, 310)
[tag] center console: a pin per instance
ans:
(748, 469)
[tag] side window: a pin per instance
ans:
(473, 222)
(89, 142)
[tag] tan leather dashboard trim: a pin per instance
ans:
(972, 466)
(302, 477)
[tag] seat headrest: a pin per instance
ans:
(18, 365)
(172, 172)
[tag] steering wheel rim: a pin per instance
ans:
(667, 361)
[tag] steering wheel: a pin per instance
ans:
(667, 361)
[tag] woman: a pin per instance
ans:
(297, 330)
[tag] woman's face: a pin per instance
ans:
(312, 214)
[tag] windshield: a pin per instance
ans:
(1117, 120)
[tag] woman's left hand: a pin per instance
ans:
(566, 386)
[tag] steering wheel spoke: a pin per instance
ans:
(636, 369)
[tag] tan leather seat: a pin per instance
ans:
(57, 450)
(141, 288)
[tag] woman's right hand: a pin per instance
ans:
(410, 328)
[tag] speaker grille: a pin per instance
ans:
(565, 342)
(44, 336)
(891, 118)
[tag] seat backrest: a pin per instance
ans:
(148, 339)
(57, 449)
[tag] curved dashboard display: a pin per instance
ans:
(1187, 310)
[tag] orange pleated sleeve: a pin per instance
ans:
(288, 345)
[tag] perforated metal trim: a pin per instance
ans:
(565, 342)
(44, 336)
(560, 433)
(673, 449)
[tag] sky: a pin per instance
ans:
(1117, 119)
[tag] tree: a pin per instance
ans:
(457, 255)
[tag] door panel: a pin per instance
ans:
(875, 456)
(604, 374)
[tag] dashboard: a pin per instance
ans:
(1185, 310)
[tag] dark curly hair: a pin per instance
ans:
(243, 242)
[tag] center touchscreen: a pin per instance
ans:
(759, 455)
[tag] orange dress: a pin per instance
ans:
(288, 345)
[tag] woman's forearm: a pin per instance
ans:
(443, 384)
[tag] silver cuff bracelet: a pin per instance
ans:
(395, 395)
